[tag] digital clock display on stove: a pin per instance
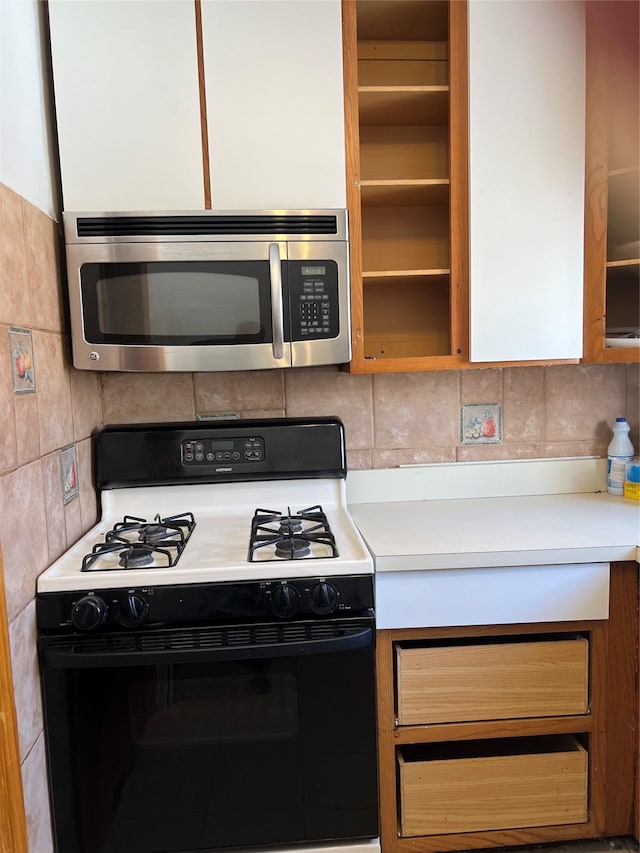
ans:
(222, 445)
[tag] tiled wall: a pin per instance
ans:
(58, 409)
(393, 419)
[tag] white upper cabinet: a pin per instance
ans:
(526, 175)
(128, 94)
(274, 95)
(127, 104)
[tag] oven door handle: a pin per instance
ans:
(68, 656)
(277, 310)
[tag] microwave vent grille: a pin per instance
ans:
(141, 226)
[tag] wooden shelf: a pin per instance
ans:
(404, 105)
(405, 238)
(406, 152)
(625, 170)
(398, 277)
(403, 318)
(401, 20)
(404, 193)
(629, 263)
(403, 63)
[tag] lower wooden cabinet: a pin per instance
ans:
(491, 681)
(494, 784)
(511, 734)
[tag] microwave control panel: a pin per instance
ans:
(313, 291)
(212, 451)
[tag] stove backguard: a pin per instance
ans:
(175, 454)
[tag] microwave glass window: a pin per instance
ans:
(193, 303)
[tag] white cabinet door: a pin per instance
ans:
(127, 104)
(526, 178)
(274, 94)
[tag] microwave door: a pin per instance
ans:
(186, 307)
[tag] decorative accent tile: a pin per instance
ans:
(69, 470)
(21, 354)
(481, 423)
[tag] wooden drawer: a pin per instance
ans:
(485, 785)
(492, 681)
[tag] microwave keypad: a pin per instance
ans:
(315, 311)
(314, 305)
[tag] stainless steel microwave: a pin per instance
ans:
(209, 290)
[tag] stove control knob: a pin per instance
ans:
(132, 611)
(323, 598)
(89, 613)
(285, 600)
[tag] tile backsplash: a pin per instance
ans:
(395, 419)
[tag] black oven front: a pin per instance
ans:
(201, 737)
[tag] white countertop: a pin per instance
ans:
(492, 514)
(514, 531)
(492, 543)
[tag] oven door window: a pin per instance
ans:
(185, 303)
(198, 756)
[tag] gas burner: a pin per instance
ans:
(136, 556)
(303, 535)
(172, 527)
(293, 548)
(156, 533)
(289, 526)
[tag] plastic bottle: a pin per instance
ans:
(632, 480)
(619, 452)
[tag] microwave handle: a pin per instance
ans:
(277, 314)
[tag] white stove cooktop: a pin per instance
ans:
(218, 547)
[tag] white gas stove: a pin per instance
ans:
(207, 650)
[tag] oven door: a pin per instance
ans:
(195, 739)
(183, 306)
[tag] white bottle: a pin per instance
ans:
(619, 452)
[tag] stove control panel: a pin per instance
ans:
(222, 451)
(152, 607)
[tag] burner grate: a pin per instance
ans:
(292, 536)
(140, 543)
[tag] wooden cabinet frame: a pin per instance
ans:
(13, 828)
(610, 726)
(600, 17)
(458, 238)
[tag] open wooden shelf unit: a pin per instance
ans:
(406, 121)
(612, 232)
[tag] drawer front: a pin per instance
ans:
(492, 681)
(492, 792)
